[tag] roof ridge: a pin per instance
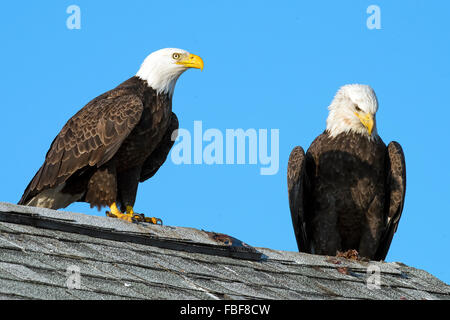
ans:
(211, 243)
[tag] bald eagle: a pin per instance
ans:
(347, 191)
(117, 140)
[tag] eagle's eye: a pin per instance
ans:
(357, 108)
(176, 56)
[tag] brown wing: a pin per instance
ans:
(395, 191)
(296, 178)
(157, 158)
(90, 138)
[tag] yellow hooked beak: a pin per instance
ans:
(367, 120)
(192, 61)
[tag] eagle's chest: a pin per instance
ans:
(147, 134)
(349, 167)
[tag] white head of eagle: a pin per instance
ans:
(353, 109)
(162, 68)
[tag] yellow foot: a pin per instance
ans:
(130, 215)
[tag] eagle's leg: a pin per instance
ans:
(116, 213)
(127, 183)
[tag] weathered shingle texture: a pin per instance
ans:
(35, 256)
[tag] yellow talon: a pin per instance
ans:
(114, 209)
(130, 215)
(153, 220)
(115, 213)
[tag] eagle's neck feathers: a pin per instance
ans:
(160, 79)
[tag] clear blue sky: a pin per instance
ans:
(268, 65)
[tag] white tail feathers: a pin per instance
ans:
(53, 198)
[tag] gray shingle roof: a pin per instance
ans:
(120, 260)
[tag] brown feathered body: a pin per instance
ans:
(346, 193)
(118, 139)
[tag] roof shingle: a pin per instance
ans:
(120, 260)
